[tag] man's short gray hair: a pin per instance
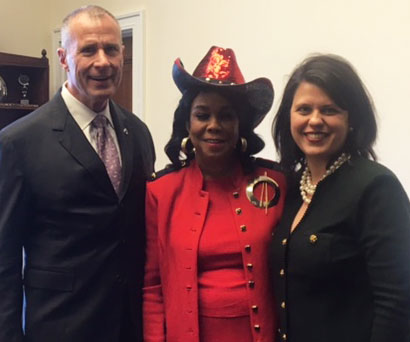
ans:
(92, 11)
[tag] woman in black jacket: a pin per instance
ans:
(340, 256)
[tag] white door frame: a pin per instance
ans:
(135, 23)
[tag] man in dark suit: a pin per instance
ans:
(72, 196)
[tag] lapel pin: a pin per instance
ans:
(125, 131)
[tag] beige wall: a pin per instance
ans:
(269, 37)
(24, 27)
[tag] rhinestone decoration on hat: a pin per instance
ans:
(106, 149)
(219, 65)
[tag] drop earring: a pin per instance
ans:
(184, 143)
(244, 144)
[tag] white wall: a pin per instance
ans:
(270, 37)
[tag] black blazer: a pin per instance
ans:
(343, 275)
(83, 244)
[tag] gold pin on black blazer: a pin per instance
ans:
(343, 275)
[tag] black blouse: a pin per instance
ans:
(343, 274)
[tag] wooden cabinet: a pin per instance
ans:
(11, 67)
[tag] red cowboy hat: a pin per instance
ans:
(219, 69)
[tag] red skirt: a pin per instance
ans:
(225, 329)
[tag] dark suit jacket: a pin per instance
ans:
(343, 275)
(83, 244)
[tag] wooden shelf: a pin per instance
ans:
(11, 67)
(9, 59)
(18, 106)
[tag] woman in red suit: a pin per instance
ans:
(210, 215)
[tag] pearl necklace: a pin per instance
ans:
(307, 189)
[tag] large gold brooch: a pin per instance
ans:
(259, 193)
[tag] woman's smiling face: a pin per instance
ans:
(318, 126)
(213, 128)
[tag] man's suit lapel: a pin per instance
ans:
(74, 141)
(128, 152)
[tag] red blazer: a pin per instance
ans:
(176, 208)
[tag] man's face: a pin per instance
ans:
(93, 59)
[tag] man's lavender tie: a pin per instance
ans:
(107, 150)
